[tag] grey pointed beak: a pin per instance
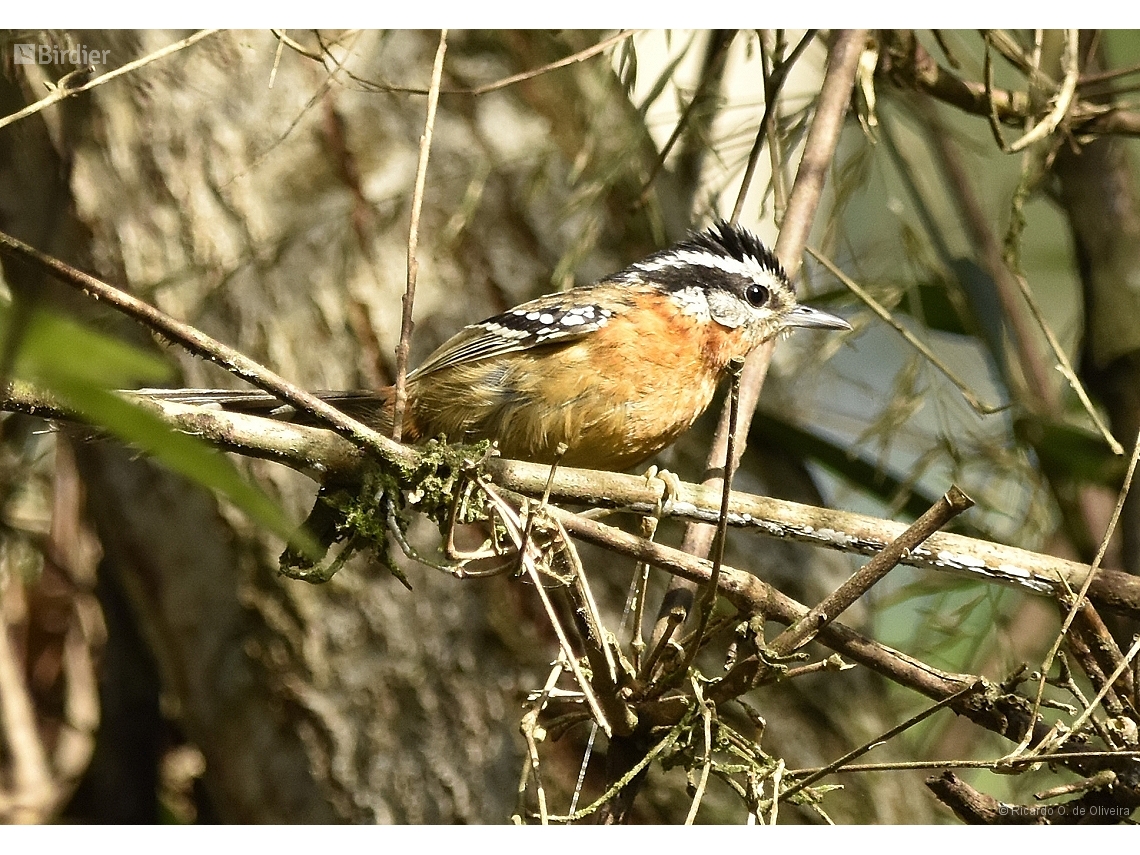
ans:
(806, 316)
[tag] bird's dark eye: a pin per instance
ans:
(756, 295)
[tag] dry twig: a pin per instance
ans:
(64, 91)
(400, 399)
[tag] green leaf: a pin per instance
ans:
(187, 455)
(79, 365)
(55, 347)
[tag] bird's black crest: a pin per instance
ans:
(731, 256)
(732, 241)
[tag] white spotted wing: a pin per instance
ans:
(555, 318)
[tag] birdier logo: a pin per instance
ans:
(32, 54)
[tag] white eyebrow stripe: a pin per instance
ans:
(750, 266)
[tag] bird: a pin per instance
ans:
(600, 376)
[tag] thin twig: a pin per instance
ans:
(1000, 764)
(581, 55)
(635, 610)
(706, 718)
(319, 94)
(683, 122)
(1065, 680)
(1103, 779)
(528, 726)
(671, 620)
(1076, 725)
(586, 755)
(1089, 78)
(515, 529)
(483, 89)
(1074, 609)
(276, 57)
(1017, 57)
(777, 779)
(284, 39)
(1066, 367)
(777, 167)
(772, 86)
(819, 148)
(30, 769)
(400, 400)
(910, 338)
(707, 601)
(815, 774)
(586, 612)
(991, 101)
(61, 92)
(559, 451)
(662, 746)
(1042, 390)
(202, 345)
(1071, 61)
(945, 509)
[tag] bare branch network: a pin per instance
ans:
(657, 699)
(324, 454)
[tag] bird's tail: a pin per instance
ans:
(370, 406)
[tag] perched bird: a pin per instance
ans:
(616, 370)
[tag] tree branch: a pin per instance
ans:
(321, 453)
(197, 342)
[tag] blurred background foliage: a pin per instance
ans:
(257, 185)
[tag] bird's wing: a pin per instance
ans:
(553, 319)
